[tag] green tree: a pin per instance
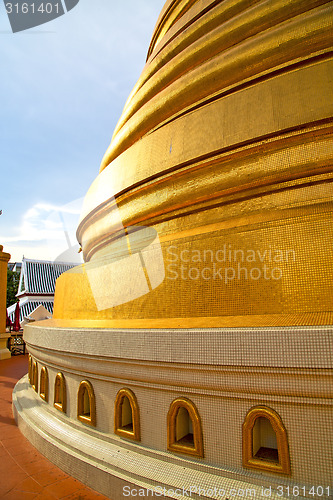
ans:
(13, 279)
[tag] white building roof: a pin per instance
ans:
(38, 277)
(27, 306)
(37, 285)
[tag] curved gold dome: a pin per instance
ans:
(224, 147)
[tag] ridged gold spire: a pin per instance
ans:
(224, 148)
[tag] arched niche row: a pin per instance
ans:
(44, 384)
(184, 428)
(30, 370)
(265, 441)
(86, 404)
(34, 376)
(127, 415)
(60, 400)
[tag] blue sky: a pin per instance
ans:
(62, 89)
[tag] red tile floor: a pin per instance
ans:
(24, 472)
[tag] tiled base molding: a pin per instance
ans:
(121, 469)
(227, 374)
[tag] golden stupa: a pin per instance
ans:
(190, 355)
(224, 148)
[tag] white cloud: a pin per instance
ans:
(46, 231)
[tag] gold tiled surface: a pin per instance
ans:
(225, 141)
(296, 283)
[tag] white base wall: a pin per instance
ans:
(225, 372)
